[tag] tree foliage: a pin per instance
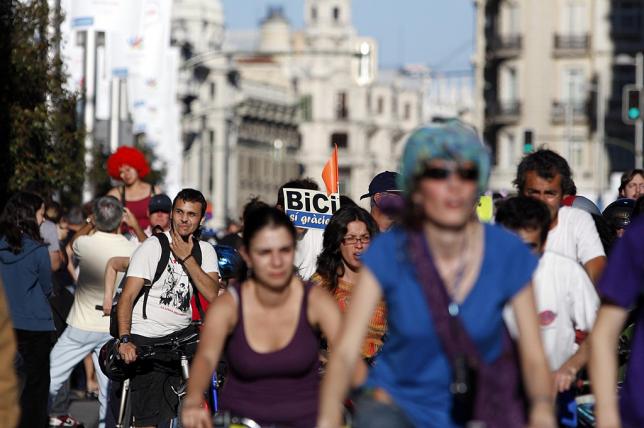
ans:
(42, 138)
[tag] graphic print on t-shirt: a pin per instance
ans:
(175, 292)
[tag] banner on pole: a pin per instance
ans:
(310, 209)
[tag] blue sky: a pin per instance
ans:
(438, 33)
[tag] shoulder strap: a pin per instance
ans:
(122, 192)
(165, 255)
(196, 253)
(450, 330)
(161, 265)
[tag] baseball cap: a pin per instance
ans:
(160, 202)
(386, 181)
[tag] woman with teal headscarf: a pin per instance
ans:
(445, 277)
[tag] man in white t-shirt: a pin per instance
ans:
(546, 176)
(566, 299)
(309, 241)
(87, 330)
(167, 312)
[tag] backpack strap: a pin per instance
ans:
(196, 253)
(161, 265)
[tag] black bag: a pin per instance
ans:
(145, 291)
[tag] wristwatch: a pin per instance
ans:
(124, 339)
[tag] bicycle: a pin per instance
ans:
(178, 348)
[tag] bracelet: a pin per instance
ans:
(187, 257)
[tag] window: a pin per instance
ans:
(407, 111)
(211, 137)
(344, 179)
(314, 14)
(336, 14)
(574, 17)
(341, 109)
(340, 139)
(573, 86)
(509, 85)
(381, 105)
(510, 19)
(213, 90)
(306, 106)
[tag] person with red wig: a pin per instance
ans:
(129, 165)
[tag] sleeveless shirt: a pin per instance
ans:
(138, 208)
(277, 388)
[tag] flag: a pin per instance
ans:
(330, 174)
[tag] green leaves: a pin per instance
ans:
(43, 148)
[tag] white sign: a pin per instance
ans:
(310, 209)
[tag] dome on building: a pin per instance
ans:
(275, 32)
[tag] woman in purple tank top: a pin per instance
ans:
(268, 327)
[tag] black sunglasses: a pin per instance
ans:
(464, 173)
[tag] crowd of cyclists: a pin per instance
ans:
(412, 314)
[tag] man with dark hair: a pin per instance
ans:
(309, 241)
(546, 176)
(385, 199)
(632, 184)
(166, 312)
(87, 330)
(566, 299)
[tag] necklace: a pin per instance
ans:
(453, 307)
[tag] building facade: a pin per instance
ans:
(547, 74)
(267, 105)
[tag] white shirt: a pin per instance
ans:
(566, 301)
(93, 252)
(168, 308)
(575, 236)
(307, 251)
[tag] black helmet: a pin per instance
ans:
(111, 363)
(618, 214)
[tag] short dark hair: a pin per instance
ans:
(191, 195)
(521, 212)
(299, 183)
(330, 265)
(628, 176)
(546, 164)
(259, 215)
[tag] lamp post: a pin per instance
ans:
(638, 62)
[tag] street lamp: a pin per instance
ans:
(638, 62)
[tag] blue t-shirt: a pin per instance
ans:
(412, 366)
(623, 284)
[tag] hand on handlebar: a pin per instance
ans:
(195, 415)
(127, 352)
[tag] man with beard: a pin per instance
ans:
(157, 318)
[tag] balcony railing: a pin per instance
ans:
(571, 43)
(573, 111)
(503, 112)
(506, 45)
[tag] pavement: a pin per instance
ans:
(85, 411)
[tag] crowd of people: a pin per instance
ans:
(414, 313)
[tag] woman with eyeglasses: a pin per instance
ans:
(346, 238)
(445, 278)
